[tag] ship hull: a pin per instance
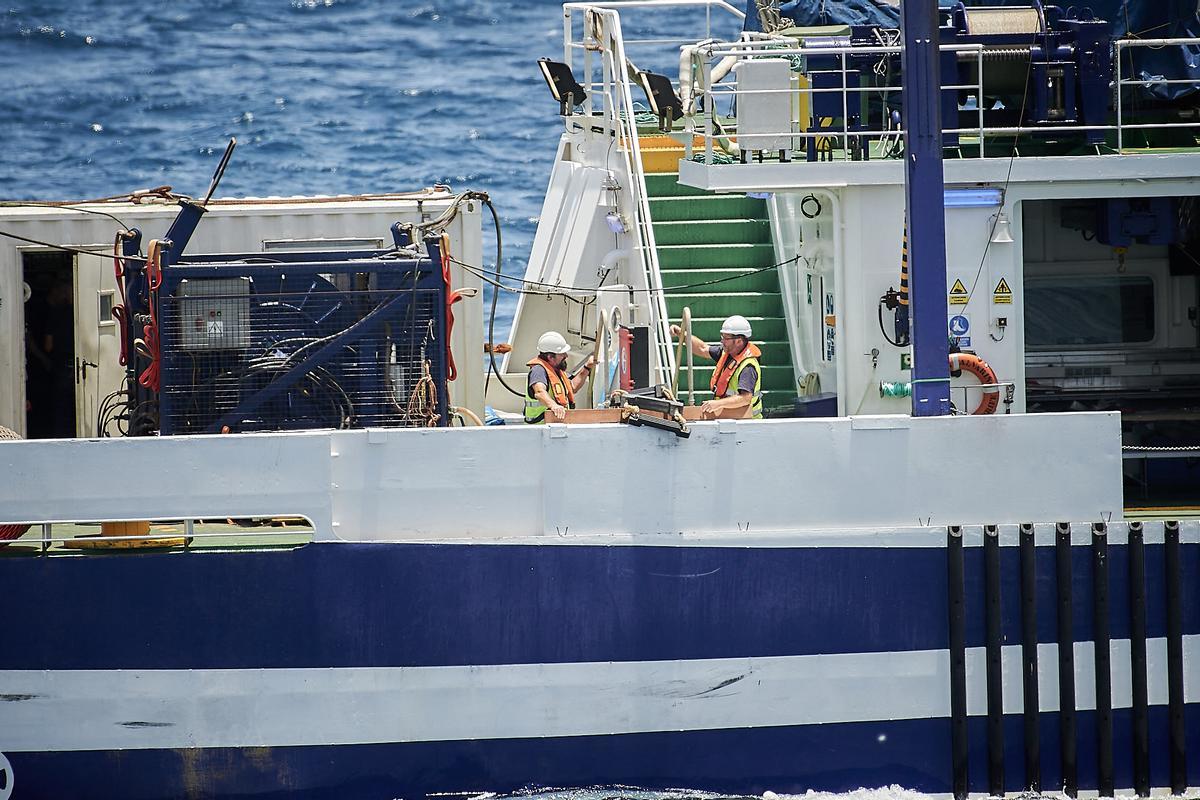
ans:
(402, 669)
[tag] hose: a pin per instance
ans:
(492, 315)
(466, 413)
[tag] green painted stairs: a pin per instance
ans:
(703, 237)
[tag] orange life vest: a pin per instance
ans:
(727, 366)
(559, 387)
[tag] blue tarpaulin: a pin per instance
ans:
(1143, 19)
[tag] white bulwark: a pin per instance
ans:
(562, 481)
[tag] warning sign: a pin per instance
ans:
(958, 293)
(1002, 295)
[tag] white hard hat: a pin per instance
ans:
(552, 342)
(737, 325)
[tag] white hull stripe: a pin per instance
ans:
(130, 709)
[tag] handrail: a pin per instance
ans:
(599, 348)
(620, 113)
(617, 5)
(685, 342)
(189, 535)
(709, 51)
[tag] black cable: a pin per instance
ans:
(883, 331)
(39, 204)
(550, 286)
(804, 205)
(492, 316)
(66, 249)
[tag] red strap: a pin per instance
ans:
(452, 297)
(118, 311)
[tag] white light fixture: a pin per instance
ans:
(1000, 230)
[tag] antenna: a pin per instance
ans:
(212, 187)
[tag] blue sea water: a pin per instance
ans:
(324, 97)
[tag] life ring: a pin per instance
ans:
(969, 362)
(6, 788)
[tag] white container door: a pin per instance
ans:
(98, 371)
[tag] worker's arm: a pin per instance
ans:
(736, 402)
(699, 347)
(540, 392)
(582, 376)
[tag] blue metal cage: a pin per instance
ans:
(302, 340)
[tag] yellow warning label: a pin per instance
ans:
(958, 293)
(1002, 295)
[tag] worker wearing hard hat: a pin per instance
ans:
(737, 380)
(550, 388)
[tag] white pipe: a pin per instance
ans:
(609, 262)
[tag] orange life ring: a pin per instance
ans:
(969, 362)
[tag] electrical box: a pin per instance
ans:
(764, 108)
(214, 314)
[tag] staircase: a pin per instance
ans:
(702, 237)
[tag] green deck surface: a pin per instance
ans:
(207, 535)
(715, 254)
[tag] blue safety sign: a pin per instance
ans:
(959, 325)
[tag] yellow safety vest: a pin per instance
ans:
(724, 381)
(559, 387)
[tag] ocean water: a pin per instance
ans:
(324, 97)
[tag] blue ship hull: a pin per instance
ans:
(430, 609)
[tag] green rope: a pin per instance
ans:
(642, 115)
(718, 158)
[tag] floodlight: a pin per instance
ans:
(562, 83)
(663, 100)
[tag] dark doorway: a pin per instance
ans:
(49, 346)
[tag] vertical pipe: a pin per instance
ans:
(1177, 744)
(1029, 660)
(1104, 723)
(1066, 661)
(995, 678)
(1117, 86)
(1137, 652)
(924, 201)
(958, 662)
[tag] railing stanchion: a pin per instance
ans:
(1117, 87)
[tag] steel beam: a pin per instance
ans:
(923, 188)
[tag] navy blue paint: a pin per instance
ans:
(912, 753)
(745, 761)
(1156, 614)
(412, 605)
(420, 605)
(924, 201)
(1051, 765)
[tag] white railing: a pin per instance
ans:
(716, 95)
(602, 35)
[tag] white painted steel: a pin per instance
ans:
(764, 119)
(74, 710)
(229, 226)
(482, 483)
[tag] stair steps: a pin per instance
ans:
(714, 255)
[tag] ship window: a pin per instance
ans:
(106, 308)
(1088, 311)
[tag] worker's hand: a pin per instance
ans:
(590, 363)
(675, 330)
(710, 409)
(559, 412)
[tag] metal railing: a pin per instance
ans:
(602, 35)
(185, 539)
(716, 95)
